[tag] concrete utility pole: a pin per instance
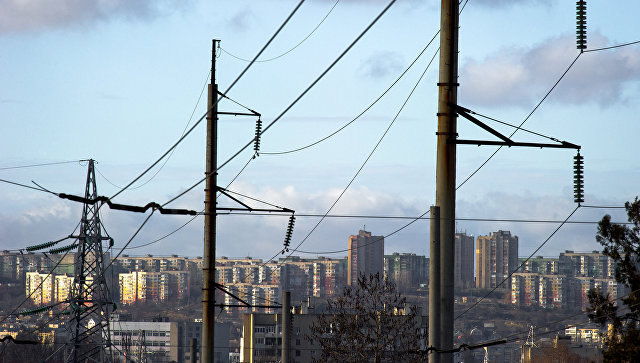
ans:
(193, 351)
(209, 263)
(434, 284)
(286, 327)
(446, 166)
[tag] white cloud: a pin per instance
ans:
(262, 236)
(25, 15)
(242, 20)
(381, 64)
(522, 76)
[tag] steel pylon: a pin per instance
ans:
(90, 303)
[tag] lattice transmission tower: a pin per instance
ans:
(90, 302)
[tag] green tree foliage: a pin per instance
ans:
(621, 243)
(369, 323)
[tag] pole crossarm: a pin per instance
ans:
(253, 113)
(464, 112)
(248, 208)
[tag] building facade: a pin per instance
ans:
(463, 265)
(407, 271)
(366, 256)
(496, 256)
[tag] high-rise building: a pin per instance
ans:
(407, 271)
(39, 287)
(366, 256)
(497, 256)
(463, 266)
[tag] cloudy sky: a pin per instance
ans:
(119, 82)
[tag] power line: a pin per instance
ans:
(361, 113)
(34, 290)
(370, 242)
(522, 123)
(172, 151)
(290, 105)
(361, 216)
(611, 47)
(363, 164)
(41, 164)
(291, 49)
(39, 188)
(523, 263)
(193, 218)
(218, 100)
(295, 101)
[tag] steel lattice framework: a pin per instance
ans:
(90, 302)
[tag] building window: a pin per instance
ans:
(297, 341)
(297, 353)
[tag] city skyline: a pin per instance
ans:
(108, 75)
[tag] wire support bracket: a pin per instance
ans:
(506, 141)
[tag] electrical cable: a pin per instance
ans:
(515, 337)
(131, 239)
(295, 101)
(294, 47)
(218, 100)
(33, 290)
(190, 220)
(361, 166)
(172, 151)
(603, 207)
(41, 164)
(26, 186)
(361, 216)
(237, 289)
(611, 47)
(193, 218)
(361, 113)
(521, 265)
(522, 123)
(370, 242)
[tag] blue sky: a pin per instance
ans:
(118, 81)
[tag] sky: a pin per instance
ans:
(120, 81)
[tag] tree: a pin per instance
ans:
(622, 244)
(369, 323)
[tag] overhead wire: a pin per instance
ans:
(521, 265)
(511, 338)
(40, 164)
(291, 49)
(522, 123)
(540, 103)
(33, 290)
(195, 216)
(364, 163)
(361, 113)
(364, 216)
(218, 100)
(166, 160)
(374, 240)
(611, 47)
(295, 101)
